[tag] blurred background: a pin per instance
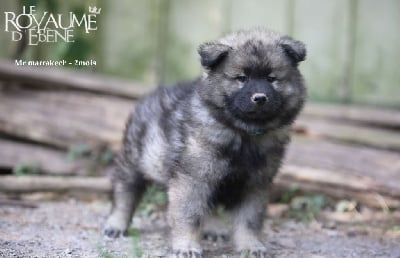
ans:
(60, 127)
(353, 45)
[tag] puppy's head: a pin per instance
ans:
(251, 79)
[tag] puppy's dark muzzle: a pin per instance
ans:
(257, 100)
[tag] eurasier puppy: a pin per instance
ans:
(219, 139)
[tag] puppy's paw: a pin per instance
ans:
(215, 237)
(115, 227)
(249, 244)
(186, 245)
(113, 232)
(187, 254)
(255, 252)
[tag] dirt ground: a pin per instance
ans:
(70, 228)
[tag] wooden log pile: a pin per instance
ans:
(48, 116)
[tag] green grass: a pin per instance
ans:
(289, 194)
(305, 208)
(244, 254)
(103, 253)
(137, 249)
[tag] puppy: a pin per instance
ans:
(219, 139)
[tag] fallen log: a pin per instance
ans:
(350, 133)
(63, 118)
(17, 203)
(362, 189)
(64, 78)
(308, 180)
(59, 184)
(48, 161)
(380, 117)
(346, 171)
(382, 166)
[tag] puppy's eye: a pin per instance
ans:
(271, 78)
(241, 78)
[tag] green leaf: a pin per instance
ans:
(77, 151)
(106, 156)
(290, 193)
(26, 168)
(244, 254)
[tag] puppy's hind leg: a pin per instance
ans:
(127, 192)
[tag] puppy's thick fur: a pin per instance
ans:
(218, 139)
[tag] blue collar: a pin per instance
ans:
(258, 132)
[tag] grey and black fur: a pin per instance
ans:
(217, 140)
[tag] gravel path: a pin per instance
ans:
(71, 229)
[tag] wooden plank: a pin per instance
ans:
(17, 203)
(361, 189)
(346, 172)
(346, 132)
(63, 118)
(77, 117)
(49, 161)
(29, 184)
(307, 179)
(367, 175)
(376, 75)
(389, 118)
(59, 78)
(381, 166)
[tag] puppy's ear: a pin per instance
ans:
(294, 49)
(211, 54)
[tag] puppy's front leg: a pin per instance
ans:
(248, 222)
(188, 200)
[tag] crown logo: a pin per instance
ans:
(94, 10)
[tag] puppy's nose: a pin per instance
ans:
(259, 98)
